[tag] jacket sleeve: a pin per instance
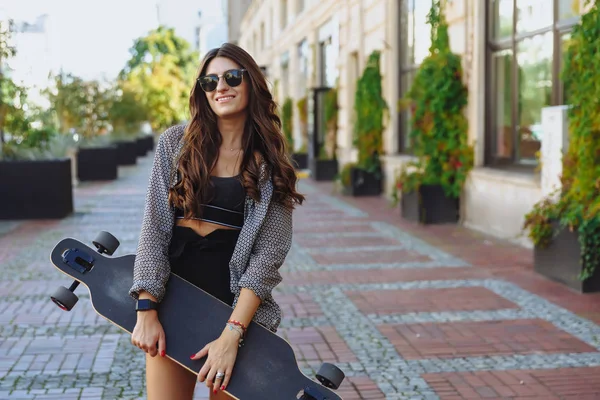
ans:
(270, 249)
(151, 268)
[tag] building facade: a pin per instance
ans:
(236, 9)
(511, 50)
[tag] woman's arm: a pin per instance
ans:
(256, 284)
(151, 268)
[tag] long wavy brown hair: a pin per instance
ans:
(262, 140)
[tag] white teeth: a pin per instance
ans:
(225, 98)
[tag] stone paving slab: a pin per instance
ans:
(408, 312)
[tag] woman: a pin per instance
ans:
(218, 213)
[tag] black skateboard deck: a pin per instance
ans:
(265, 367)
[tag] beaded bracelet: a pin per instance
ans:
(238, 330)
(238, 323)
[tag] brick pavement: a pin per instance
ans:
(409, 312)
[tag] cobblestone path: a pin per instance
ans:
(409, 312)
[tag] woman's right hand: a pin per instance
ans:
(147, 332)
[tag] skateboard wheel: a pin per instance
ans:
(330, 375)
(106, 243)
(64, 298)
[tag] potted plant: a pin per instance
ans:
(127, 147)
(36, 179)
(370, 108)
(431, 186)
(35, 171)
(325, 166)
(97, 159)
(565, 226)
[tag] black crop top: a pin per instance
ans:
(227, 206)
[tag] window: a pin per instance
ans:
(284, 14)
(526, 43)
(285, 76)
(415, 40)
(303, 55)
(328, 52)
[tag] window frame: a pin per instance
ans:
(492, 46)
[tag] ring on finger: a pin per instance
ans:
(220, 375)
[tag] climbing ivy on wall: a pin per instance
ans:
(578, 205)
(287, 122)
(439, 133)
(370, 110)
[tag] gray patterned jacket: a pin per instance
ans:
(263, 242)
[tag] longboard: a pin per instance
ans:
(265, 367)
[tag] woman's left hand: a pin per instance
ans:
(221, 358)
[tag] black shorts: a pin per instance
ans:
(204, 260)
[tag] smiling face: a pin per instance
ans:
(226, 100)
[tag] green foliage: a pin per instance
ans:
(126, 113)
(302, 108)
(345, 176)
(287, 124)
(577, 207)
(158, 44)
(439, 128)
(50, 146)
(12, 108)
(330, 106)
(370, 110)
(158, 76)
(408, 180)
(80, 105)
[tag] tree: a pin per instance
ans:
(81, 105)
(126, 113)
(158, 76)
(8, 90)
(66, 99)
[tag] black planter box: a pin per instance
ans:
(324, 170)
(429, 205)
(142, 146)
(149, 142)
(560, 261)
(300, 160)
(363, 183)
(127, 151)
(97, 163)
(36, 189)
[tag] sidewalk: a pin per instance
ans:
(408, 312)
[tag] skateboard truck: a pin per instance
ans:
(312, 394)
(82, 263)
(330, 376)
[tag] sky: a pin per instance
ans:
(91, 38)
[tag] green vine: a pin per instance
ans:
(345, 175)
(287, 124)
(439, 134)
(302, 108)
(370, 110)
(330, 105)
(577, 207)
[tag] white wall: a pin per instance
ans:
(496, 202)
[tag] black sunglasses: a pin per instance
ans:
(233, 78)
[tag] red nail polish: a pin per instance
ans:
(162, 353)
(215, 391)
(222, 387)
(192, 356)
